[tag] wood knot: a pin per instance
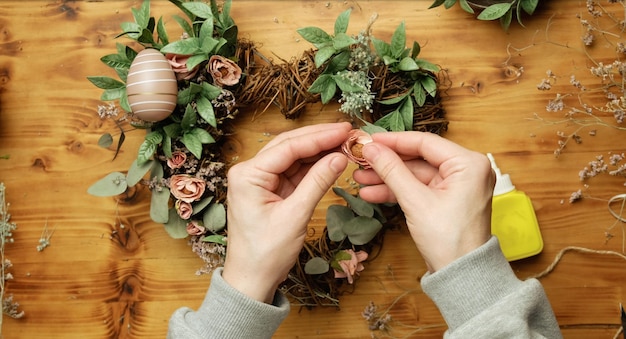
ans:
(511, 72)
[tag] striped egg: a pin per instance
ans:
(151, 86)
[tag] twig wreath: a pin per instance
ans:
(187, 93)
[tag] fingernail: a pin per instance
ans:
(370, 151)
(338, 163)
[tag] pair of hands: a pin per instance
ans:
(444, 190)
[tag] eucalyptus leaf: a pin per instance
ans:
(159, 206)
(175, 226)
(358, 205)
(200, 205)
(336, 217)
(215, 217)
(216, 238)
(136, 172)
(316, 265)
(111, 185)
(156, 171)
(362, 230)
(105, 140)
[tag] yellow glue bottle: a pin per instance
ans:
(513, 219)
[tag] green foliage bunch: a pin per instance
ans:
(193, 126)
(348, 63)
(501, 11)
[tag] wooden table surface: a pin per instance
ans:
(110, 272)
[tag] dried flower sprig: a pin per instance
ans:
(9, 307)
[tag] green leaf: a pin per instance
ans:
(113, 94)
(116, 61)
(320, 84)
(430, 85)
(316, 265)
(105, 140)
(343, 40)
(494, 11)
(146, 37)
(437, 3)
(382, 48)
(336, 217)
(449, 3)
(408, 64)
(189, 118)
(419, 94)
(111, 185)
(406, 111)
(167, 146)
(200, 205)
(142, 15)
(195, 60)
(208, 45)
(162, 33)
(215, 217)
(136, 172)
(371, 128)
(415, 51)
(187, 46)
(156, 171)
(329, 92)
(175, 226)
(529, 6)
(202, 135)
(199, 9)
(209, 91)
(505, 20)
(124, 104)
(184, 24)
(159, 205)
(193, 144)
(342, 21)
(323, 54)
(397, 99)
(392, 122)
(315, 35)
(131, 29)
(398, 41)
(205, 110)
(187, 95)
(358, 205)
(216, 238)
(173, 130)
(206, 30)
(362, 230)
(106, 82)
(428, 66)
(466, 6)
(149, 146)
(338, 63)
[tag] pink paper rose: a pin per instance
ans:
(224, 71)
(194, 228)
(184, 209)
(187, 188)
(353, 146)
(352, 266)
(179, 66)
(177, 160)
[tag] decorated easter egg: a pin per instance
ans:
(151, 86)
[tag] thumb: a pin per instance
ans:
(320, 177)
(392, 170)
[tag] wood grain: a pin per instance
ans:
(112, 273)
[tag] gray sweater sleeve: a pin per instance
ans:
(227, 313)
(479, 296)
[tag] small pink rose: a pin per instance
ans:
(184, 209)
(194, 228)
(224, 71)
(353, 147)
(351, 267)
(179, 66)
(177, 160)
(187, 188)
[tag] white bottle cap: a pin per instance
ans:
(503, 181)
